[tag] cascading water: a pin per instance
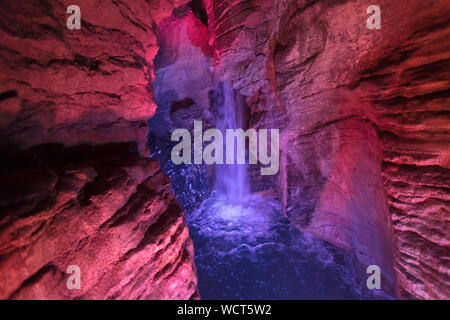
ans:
(231, 179)
(245, 249)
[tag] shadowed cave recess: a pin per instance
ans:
(364, 160)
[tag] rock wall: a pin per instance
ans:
(77, 187)
(183, 81)
(103, 208)
(364, 119)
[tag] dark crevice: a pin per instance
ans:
(199, 11)
(8, 94)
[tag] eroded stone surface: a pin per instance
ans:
(364, 143)
(364, 119)
(94, 200)
(102, 208)
(183, 82)
(74, 86)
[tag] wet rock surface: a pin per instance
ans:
(364, 120)
(182, 87)
(77, 187)
(248, 250)
(102, 208)
(363, 114)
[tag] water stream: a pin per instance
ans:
(245, 249)
(231, 179)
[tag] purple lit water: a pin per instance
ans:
(231, 180)
(246, 249)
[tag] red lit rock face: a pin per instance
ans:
(183, 64)
(365, 130)
(102, 205)
(364, 119)
(75, 86)
(102, 208)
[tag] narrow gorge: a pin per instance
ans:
(87, 118)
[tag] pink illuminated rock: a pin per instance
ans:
(364, 123)
(363, 114)
(93, 200)
(75, 86)
(102, 208)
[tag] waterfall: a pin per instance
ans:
(231, 179)
(246, 249)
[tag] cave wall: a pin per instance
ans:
(364, 120)
(77, 186)
(182, 85)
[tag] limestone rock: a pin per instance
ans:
(364, 119)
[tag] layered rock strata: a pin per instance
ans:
(77, 187)
(364, 115)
